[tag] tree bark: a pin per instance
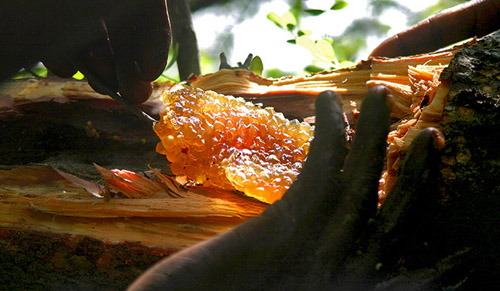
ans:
(188, 59)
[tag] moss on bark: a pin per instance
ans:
(468, 213)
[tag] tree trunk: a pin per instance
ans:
(188, 58)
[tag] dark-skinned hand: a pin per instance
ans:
(473, 18)
(304, 240)
(123, 43)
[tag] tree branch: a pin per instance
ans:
(188, 59)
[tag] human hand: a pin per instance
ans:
(474, 18)
(305, 240)
(122, 43)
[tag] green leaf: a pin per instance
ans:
(328, 39)
(22, 75)
(286, 21)
(78, 75)
(313, 69)
(276, 73)
(256, 65)
(292, 41)
(302, 32)
(172, 55)
(289, 20)
(162, 78)
(306, 42)
(40, 70)
(314, 12)
(321, 49)
(346, 64)
(325, 50)
(275, 19)
(36, 71)
(339, 4)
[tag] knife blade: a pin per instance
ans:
(117, 97)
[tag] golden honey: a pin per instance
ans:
(226, 142)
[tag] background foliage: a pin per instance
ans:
(326, 52)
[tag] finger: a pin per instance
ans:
(404, 213)
(417, 179)
(126, 29)
(245, 256)
(98, 60)
(131, 87)
(360, 183)
(365, 160)
(475, 18)
(152, 39)
(95, 57)
(326, 155)
(208, 261)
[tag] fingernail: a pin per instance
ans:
(328, 96)
(136, 91)
(381, 90)
(432, 133)
(389, 99)
(438, 139)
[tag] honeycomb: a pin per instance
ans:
(225, 142)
